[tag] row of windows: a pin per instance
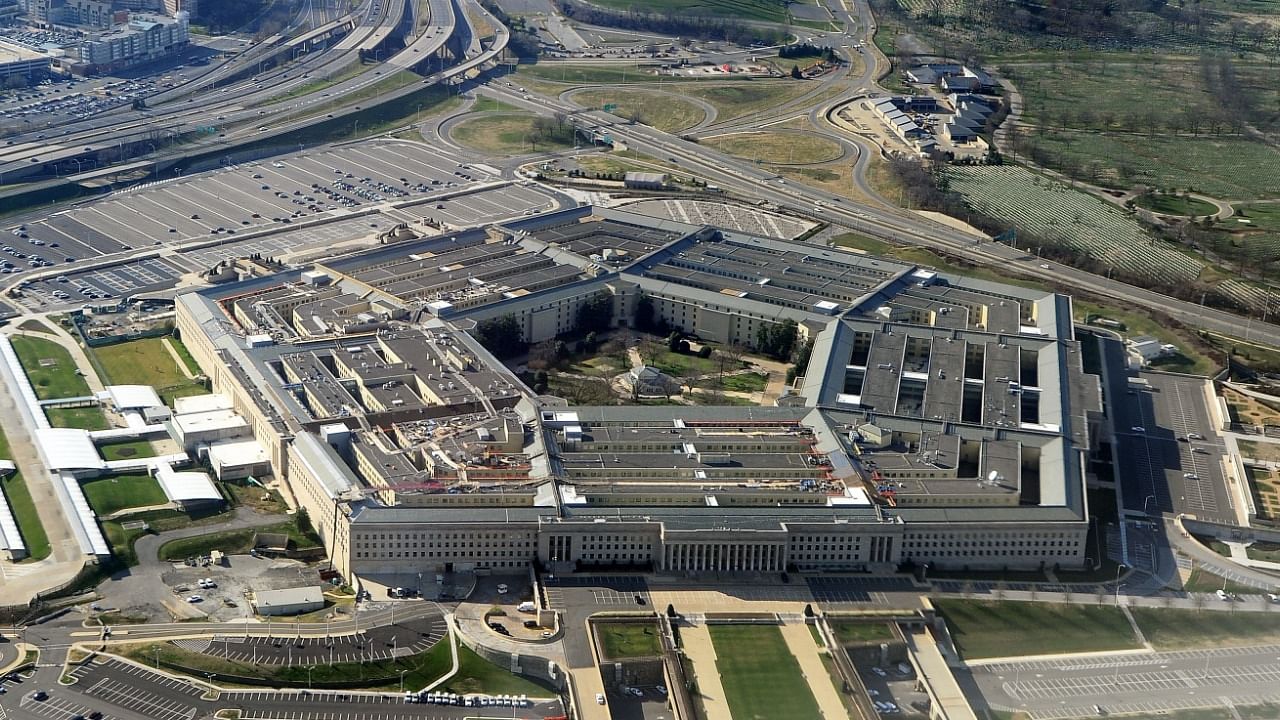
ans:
(992, 553)
(993, 543)
(433, 554)
(474, 545)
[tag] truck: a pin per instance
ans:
(526, 607)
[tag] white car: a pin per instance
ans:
(1138, 429)
(599, 698)
(195, 599)
(879, 671)
(502, 589)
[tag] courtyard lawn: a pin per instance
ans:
(127, 450)
(628, 640)
(50, 368)
(145, 362)
(82, 418)
(983, 629)
(761, 678)
(107, 495)
(1168, 629)
(745, 382)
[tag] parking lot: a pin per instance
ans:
(1148, 683)
(295, 209)
(404, 638)
(604, 590)
(1168, 454)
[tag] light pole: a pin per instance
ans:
(402, 672)
(1144, 503)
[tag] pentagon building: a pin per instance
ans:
(940, 419)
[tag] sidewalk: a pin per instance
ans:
(700, 651)
(800, 642)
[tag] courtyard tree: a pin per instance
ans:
(501, 336)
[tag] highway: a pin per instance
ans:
(228, 104)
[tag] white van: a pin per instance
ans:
(526, 607)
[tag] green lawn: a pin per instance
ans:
(192, 366)
(50, 368)
(746, 382)
(127, 450)
(84, 418)
(1175, 204)
(24, 512)
(1269, 552)
(232, 542)
(761, 678)
(145, 362)
(477, 675)
(851, 632)
(1173, 629)
(664, 112)
(857, 241)
(509, 134)
(107, 495)
(628, 640)
(678, 365)
(984, 629)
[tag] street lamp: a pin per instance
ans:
(402, 672)
(1144, 503)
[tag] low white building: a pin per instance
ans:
(203, 428)
(289, 601)
(238, 459)
(1146, 348)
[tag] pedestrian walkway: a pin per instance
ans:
(802, 645)
(700, 651)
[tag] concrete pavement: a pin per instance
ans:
(801, 643)
(702, 655)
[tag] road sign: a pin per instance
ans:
(610, 107)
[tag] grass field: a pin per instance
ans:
(761, 678)
(668, 113)
(50, 368)
(734, 100)
(84, 418)
(107, 495)
(1175, 204)
(775, 147)
(628, 640)
(507, 134)
(983, 629)
(1269, 552)
(127, 450)
(145, 362)
(678, 365)
(1174, 629)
